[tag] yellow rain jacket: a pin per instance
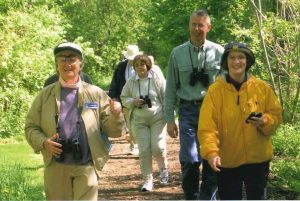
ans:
(222, 129)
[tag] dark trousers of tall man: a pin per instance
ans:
(189, 156)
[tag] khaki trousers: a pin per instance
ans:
(70, 182)
(150, 135)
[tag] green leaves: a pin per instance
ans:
(26, 60)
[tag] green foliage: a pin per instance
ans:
(287, 141)
(21, 175)
(26, 60)
(168, 25)
(279, 28)
(93, 64)
(24, 42)
(15, 184)
(109, 26)
(13, 111)
(286, 166)
(286, 172)
(30, 29)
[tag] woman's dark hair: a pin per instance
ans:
(142, 59)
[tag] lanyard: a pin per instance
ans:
(148, 86)
(204, 65)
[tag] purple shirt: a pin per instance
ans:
(71, 126)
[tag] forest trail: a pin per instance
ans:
(121, 177)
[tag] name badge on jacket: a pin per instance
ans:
(91, 105)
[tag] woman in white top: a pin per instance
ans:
(143, 96)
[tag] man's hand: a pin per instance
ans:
(215, 163)
(115, 107)
(52, 146)
(172, 130)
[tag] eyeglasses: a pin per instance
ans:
(66, 59)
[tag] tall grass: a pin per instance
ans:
(21, 173)
(16, 184)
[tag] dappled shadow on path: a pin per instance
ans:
(121, 177)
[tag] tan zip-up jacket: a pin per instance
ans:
(40, 122)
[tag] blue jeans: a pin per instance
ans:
(188, 125)
(189, 156)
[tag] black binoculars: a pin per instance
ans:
(199, 76)
(146, 100)
(69, 146)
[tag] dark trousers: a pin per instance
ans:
(253, 176)
(208, 189)
(190, 158)
(190, 180)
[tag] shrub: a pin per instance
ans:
(287, 141)
(286, 166)
(286, 172)
(13, 111)
(27, 37)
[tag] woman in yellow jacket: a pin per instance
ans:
(239, 148)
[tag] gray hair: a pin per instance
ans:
(201, 13)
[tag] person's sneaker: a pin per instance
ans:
(164, 176)
(134, 150)
(148, 185)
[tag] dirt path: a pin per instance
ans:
(121, 178)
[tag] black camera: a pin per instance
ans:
(69, 146)
(60, 158)
(146, 100)
(199, 76)
(253, 114)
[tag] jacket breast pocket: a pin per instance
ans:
(185, 74)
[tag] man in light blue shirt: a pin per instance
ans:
(192, 68)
